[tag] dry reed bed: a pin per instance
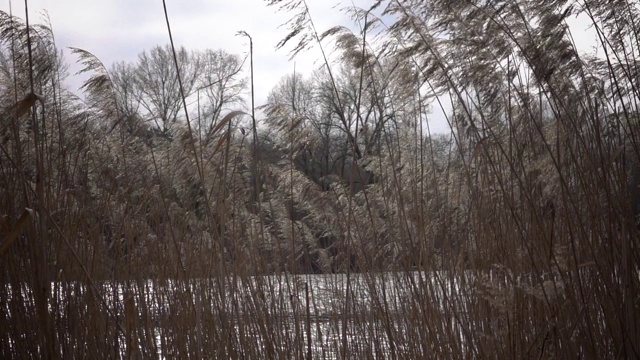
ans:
(516, 239)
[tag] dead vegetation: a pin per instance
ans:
(129, 231)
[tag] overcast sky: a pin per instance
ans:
(116, 30)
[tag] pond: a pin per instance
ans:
(327, 316)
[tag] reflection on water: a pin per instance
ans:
(281, 316)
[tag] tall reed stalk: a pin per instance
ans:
(514, 236)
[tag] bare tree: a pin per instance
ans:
(127, 94)
(291, 98)
(157, 80)
(293, 109)
(316, 127)
(220, 82)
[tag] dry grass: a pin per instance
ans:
(517, 237)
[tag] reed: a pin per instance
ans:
(514, 236)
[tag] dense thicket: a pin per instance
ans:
(531, 202)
